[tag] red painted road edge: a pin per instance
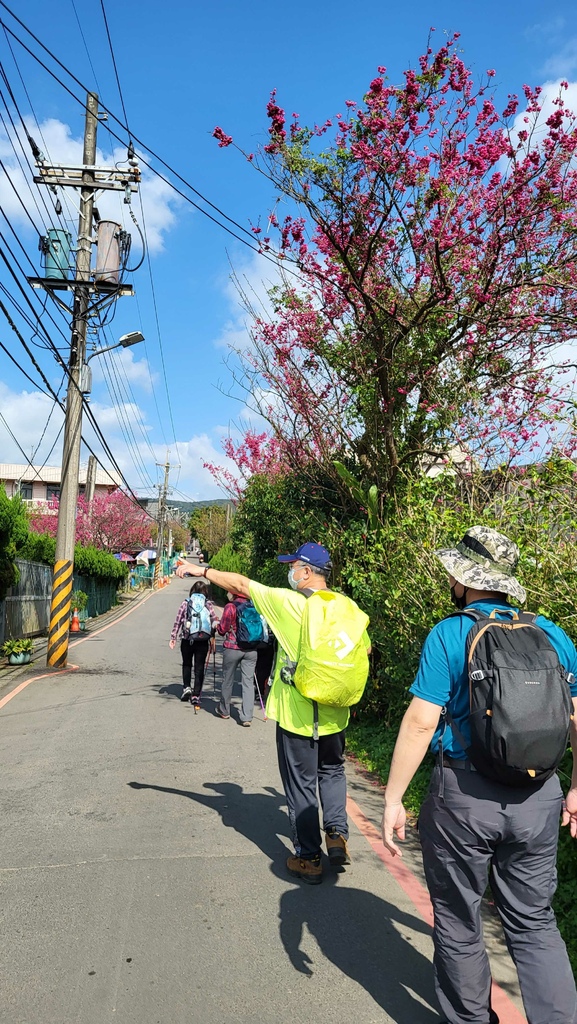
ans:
(419, 897)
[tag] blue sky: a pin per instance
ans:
(184, 68)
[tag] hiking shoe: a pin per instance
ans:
(220, 714)
(337, 849)
(310, 871)
(186, 693)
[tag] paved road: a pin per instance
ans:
(142, 863)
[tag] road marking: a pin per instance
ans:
(419, 897)
(32, 679)
(72, 668)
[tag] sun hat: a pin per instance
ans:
(310, 553)
(486, 560)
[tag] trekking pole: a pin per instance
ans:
(259, 696)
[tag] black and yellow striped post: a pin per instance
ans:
(60, 614)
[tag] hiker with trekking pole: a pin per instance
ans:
(243, 632)
(195, 623)
(320, 671)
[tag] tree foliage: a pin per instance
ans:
(88, 561)
(434, 237)
(211, 526)
(13, 530)
(111, 522)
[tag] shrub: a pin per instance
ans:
(87, 561)
(13, 531)
(227, 560)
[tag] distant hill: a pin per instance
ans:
(185, 506)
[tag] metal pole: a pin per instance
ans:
(66, 535)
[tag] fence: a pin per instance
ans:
(27, 605)
(26, 610)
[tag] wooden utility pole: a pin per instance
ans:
(161, 520)
(88, 295)
(90, 479)
(66, 534)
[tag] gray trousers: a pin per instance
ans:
(247, 661)
(478, 832)
(304, 765)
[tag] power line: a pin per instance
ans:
(114, 65)
(86, 406)
(27, 133)
(144, 236)
(244, 241)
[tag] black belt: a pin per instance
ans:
(459, 763)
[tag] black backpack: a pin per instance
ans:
(520, 705)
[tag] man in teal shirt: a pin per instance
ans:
(474, 830)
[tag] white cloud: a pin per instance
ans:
(536, 124)
(26, 413)
(59, 145)
(126, 365)
(248, 285)
(562, 64)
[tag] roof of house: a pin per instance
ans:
(53, 474)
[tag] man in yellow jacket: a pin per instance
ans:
(305, 762)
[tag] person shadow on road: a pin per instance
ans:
(362, 934)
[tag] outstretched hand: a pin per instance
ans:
(190, 567)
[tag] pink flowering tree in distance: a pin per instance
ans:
(112, 522)
(429, 278)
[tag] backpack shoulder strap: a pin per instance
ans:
(472, 613)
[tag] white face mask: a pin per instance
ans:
(291, 578)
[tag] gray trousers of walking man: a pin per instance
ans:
(247, 661)
(474, 831)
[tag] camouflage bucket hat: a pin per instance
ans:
(486, 560)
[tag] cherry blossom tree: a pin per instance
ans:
(112, 522)
(430, 278)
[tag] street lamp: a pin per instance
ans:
(132, 338)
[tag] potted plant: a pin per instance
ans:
(18, 650)
(78, 604)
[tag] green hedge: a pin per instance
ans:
(227, 560)
(87, 561)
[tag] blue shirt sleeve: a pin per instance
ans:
(433, 680)
(563, 645)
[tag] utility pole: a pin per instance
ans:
(90, 479)
(88, 296)
(66, 534)
(161, 519)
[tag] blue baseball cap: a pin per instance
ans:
(311, 553)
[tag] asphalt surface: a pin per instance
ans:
(142, 858)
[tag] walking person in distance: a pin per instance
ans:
(242, 629)
(195, 624)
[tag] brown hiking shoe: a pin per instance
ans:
(337, 849)
(310, 871)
